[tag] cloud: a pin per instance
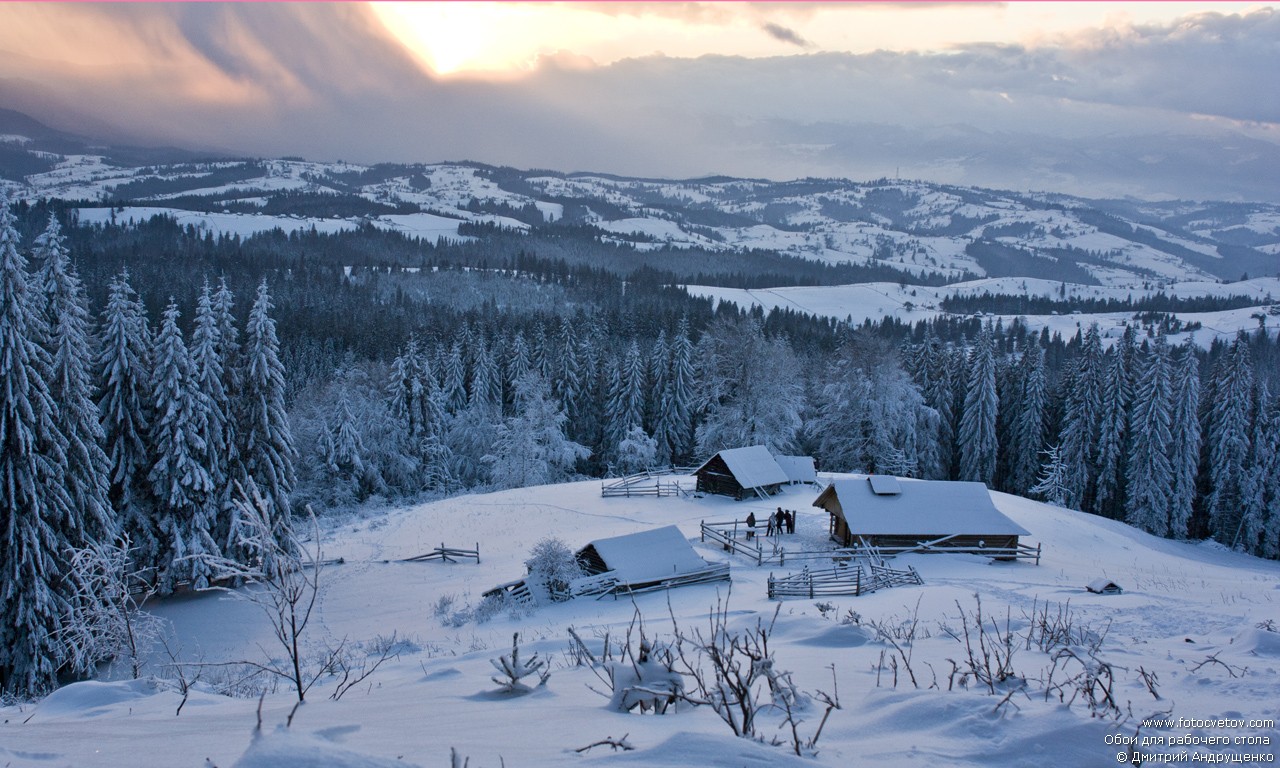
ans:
(785, 34)
(326, 81)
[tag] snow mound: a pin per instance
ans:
(1259, 642)
(685, 749)
(92, 698)
(839, 636)
(285, 749)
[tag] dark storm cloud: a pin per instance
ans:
(785, 34)
(326, 81)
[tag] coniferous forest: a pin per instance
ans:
(154, 378)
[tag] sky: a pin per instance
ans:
(1155, 99)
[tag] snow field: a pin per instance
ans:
(1182, 603)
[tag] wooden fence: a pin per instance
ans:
(938, 546)
(840, 581)
(647, 483)
(607, 583)
(446, 555)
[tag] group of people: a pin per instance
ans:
(782, 521)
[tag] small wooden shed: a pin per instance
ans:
(892, 514)
(1104, 586)
(646, 559)
(741, 473)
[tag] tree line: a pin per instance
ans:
(130, 438)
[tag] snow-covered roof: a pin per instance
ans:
(753, 466)
(884, 485)
(647, 555)
(924, 507)
(1103, 586)
(799, 469)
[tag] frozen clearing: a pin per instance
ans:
(1182, 605)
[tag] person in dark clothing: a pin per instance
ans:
(751, 525)
(780, 520)
(791, 521)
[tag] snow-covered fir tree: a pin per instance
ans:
(35, 509)
(977, 436)
(636, 452)
(344, 452)
(1230, 423)
(1082, 413)
(567, 382)
(517, 364)
(531, 447)
(1113, 426)
(123, 366)
(71, 387)
(1260, 482)
(1184, 448)
(626, 395)
(870, 417)
(181, 481)
(1052, 484)
(486, 378)
(750, 389)
(210, 380)
(936, 379)
(266, 440)
(454, 389)
(1149, 473)
(673, 426)
(1028, 431)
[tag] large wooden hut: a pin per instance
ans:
(930, 516)
(741, 473)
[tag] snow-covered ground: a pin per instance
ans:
(913, 303)
(1189, 618)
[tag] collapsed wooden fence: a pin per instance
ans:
(446, 554)
(839, 581)
(647, 483)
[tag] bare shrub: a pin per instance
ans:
(512, 670)
(989, 650)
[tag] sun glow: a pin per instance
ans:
(504, 39)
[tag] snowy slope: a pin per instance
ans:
(913, 303)
(1183, 603)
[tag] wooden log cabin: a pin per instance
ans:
(894, 515)
(741, 473)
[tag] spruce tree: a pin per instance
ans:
(626, 396)
(1184, 448)
(674, 425)
(1230, 420)
(518, 363)
(266, 448)
(977, 436)
(531, 447)
(123, 369)
(1081, 417)
(181, 481)
(1112, 436)
(35, 509)
(214, 410)
(71, 387)
(1149, 473)
(1028, 429)
(454, 391)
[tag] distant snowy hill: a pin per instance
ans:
(973, 240)
(1192, 636)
